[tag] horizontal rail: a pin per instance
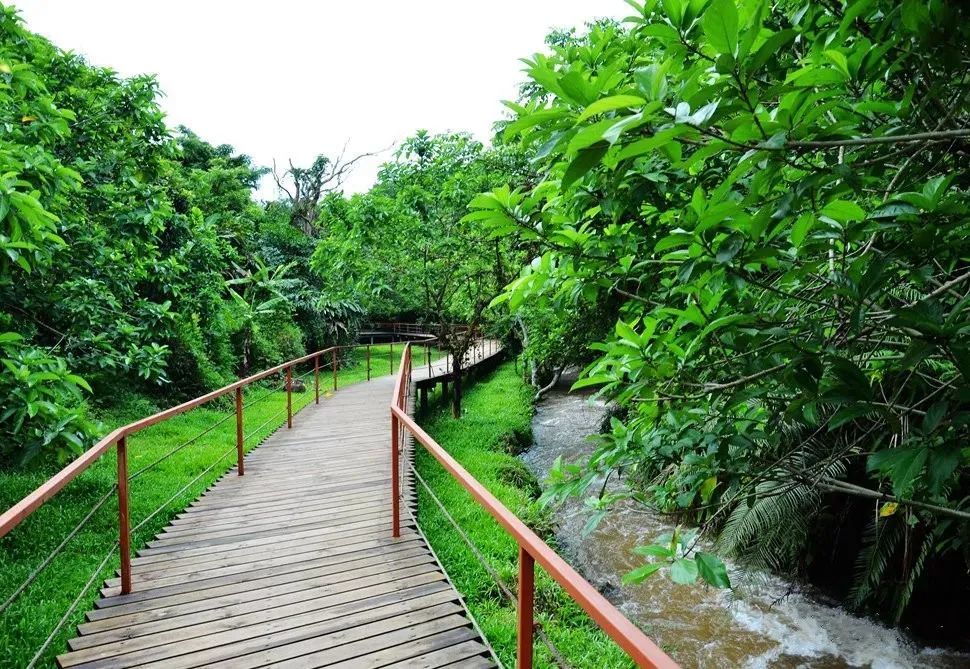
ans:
(627, 635)
(118, 438)
(16, 514)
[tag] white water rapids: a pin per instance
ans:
(764, 621)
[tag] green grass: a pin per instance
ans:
(27, 622)
(497, 417)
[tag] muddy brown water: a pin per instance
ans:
(763, 621)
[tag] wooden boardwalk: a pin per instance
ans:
(291, 565)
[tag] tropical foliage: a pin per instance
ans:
(406, 246)
(746, 220)
(122, 246)
(773, 195)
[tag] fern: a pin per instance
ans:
(880, 540)
(772, 531)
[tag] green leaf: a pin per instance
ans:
(707, 488)
(577, 88)
(838, 59)
(901, 465)
(77, 380)
(729, 248)
(933, 416)
(843, 211)
(720, 24)
(641, 574)
(9, 337)
(611, 104)
(652, 80)
(590, 135)
(683, 571)
(941, 464)
(772, 46)
(583, 163)
(712, 570)
(801, 229)
(847, 414)
(853, 11)
(624, 331)
(852, 378)
(654, 550)
(592, 381)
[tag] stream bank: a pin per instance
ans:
(764, 621)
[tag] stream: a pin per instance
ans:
(763, 621)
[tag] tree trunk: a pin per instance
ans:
(456, 387)
(552, 384)
(528, 365)
(247, 344)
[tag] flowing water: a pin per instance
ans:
(764, 621)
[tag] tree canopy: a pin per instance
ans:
(776, 195)
(746, 221)
(121, 241)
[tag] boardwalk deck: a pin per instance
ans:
(291, 565)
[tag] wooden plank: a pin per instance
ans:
(150, 582)
(200, 600)
(182, 650)
(281, 608)
(234, 535)
(252, 576)
(365, 641)
(467, 654)
(283, 547)
(294, 513)
(290, 565)
(173, 553)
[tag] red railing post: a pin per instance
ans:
(289, 396)
(333, 364)
(395, 483)
(240, 468)
(124, 525)
(368, 362)
(316, 378)
(390, 355)
(526, 626)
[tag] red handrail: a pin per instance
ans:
(532, 549)
(118, 438)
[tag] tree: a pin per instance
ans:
(116, 239)
(263, 295)
(406, 246)
(773, 193)
(306, 187)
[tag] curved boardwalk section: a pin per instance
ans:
(291, 565)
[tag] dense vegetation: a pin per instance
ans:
(131, 255)
(405, 248)
(773, 200)
(746, 220)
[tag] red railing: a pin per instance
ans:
(416, 328)
(532, 549)
(119, 440)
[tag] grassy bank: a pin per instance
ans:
(26, 623)
(495, 426)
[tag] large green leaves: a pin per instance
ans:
(720, 23)
(788, 225)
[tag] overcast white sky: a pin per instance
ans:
(290, 79)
